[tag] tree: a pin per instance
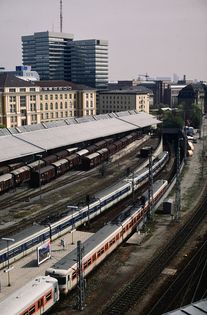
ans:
(172, 120)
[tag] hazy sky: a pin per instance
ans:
(160, 37)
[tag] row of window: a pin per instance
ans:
(12, 90)
(116, 102)
(35, 307)
(57, 115)
(56, 105)
(57, 96)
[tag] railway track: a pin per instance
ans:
(188, 286)
(131, 293)
(31, 193)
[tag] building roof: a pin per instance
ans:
(27, 142)
(10, 80)
(134, 90)
(196, 308)
(62, 83)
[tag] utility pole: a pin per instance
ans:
(177, 192)
(133, 194)
(80, 277)
(39, 156)
(203, 149)
(7, 239)
(88, 206)
(150, 190)
(61, 16)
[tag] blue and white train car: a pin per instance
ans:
(28, 241)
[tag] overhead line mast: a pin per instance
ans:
(61, 16)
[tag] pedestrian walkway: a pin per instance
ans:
(26, 269)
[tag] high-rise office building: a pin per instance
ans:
(48, 54)
(89, 62)
(56, 56)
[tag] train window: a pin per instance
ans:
(94, 257)
(99, 253)
(48, 296)
(85, 265)
(25, 313)
(74, 275)
(117, 236)
(32, 310)
(106, 246)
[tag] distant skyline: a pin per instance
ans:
(158, 37)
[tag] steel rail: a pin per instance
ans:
(131, 293)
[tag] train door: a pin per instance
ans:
(56, 293)
(41, 305)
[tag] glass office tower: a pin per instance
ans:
(48, 54)
(89, 62)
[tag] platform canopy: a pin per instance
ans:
(23, 142)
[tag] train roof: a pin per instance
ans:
(69, 260)
(109, 189)
(24, 142)
(26, 232)
(23, 297)
(60, 162)
(82, 152)
(20, 170)
(36, 163)
(92, 156)
(5, 177)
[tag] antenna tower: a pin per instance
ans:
(61, 16)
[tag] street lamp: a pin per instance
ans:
(73, 230)
(8, 266)
(39, 156)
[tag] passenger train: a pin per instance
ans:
(41, 293)
(36, 297)
(114, 194)
(102, 243)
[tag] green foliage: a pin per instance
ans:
(193, 115)
(172, 120)
(196, 116)
(2, 126)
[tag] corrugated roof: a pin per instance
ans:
(12, 148)
(196, 308)
(39, 141)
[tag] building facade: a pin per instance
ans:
(171, 94)
(123, 100)
(26, 103)
(195, 93)
(89, 62)
(48, 54)
(56, 56)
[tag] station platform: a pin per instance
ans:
(27, 268)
